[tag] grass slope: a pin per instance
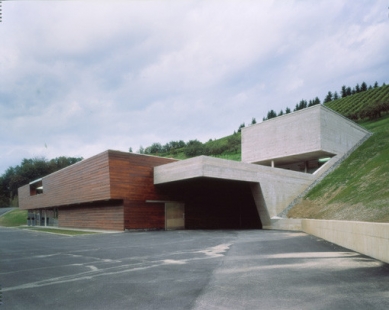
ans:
(356, 104)
(358, 189)
(14, 218)
(228, 147)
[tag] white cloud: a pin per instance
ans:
(82, 77)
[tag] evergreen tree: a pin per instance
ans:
(343, 92)
(287, 110)
(363, 86)
(376, 84)
(348, 91)
(253, 121)
(241, 126)
(281, 113)
(357, 89)
(336, 96)
(328, 98)
(271, 114)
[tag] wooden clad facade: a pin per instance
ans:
(115, 191)
(107, 216)
(106, 191)
(84, 181)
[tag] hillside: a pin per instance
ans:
(369, 104)
(358, 190)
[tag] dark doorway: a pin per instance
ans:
(215, 203)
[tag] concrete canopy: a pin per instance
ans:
(272, 189)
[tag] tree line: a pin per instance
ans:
(28, 171)
(193, 147)
(331, 96)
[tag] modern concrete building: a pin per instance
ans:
(281, 158)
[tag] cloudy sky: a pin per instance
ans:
(80, 77)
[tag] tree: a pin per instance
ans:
(141, 150)
(363, 86)
(348, 91)
(301, 105)
(287, 110)
(130, 150)
(271, 114)
(241, 126)
(155, 148)
(343, 92)
(376, 84)
(281, 113)
(317, 101)
(328, 98)
(253, 121)
(194, 148)
(336, 96)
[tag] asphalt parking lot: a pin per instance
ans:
(254, 269)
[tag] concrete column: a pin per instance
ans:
(45, 218)
(272, 163)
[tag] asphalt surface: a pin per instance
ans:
(186, 270)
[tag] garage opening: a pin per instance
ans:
(215, 204)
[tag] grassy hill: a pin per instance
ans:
(369, 104)
(359, 189)
(227, 147)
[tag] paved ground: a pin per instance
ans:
(186, 270)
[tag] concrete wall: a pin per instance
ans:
(273, 189)
(286, 135)
(303, 135)
(339, 134)
(371, 239)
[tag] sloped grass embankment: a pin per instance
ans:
(358, 190)
(14, 218)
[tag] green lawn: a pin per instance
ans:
(14, 218)
(17, 218)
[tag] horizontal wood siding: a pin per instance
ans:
(84, 181)
(142, 215)
(132, 176)
(107, 216)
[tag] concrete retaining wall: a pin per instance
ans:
(371, 239)
(284, 224)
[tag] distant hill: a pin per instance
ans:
(370, 104)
